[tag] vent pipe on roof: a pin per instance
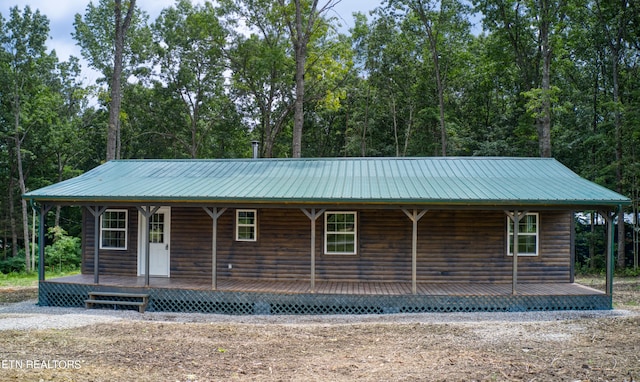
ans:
(254, 145)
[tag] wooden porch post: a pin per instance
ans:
(96, 211)
(610, 249)
(214, 213)
(147, 212)
(42, 210)
(313, 215)
(415, 217)
(515, 217)
(572, 255)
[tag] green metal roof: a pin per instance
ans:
(471, 181)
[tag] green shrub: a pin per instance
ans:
(629, 272)
(12, 264)
(64, 254)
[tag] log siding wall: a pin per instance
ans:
(111, 262)
(453, 246)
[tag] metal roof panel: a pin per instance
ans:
(470, 181)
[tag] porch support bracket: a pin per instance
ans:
(42, 211)
(147, 212)
(609, 217)
(96, 211)
(313, 215)
(515, 217)
(415, 217)
(214, 213)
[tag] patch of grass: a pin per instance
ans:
(30, 279)
(16, 287)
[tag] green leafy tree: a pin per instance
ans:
(614, 21)
(394, 63)
(189, 44)
(65, 252)
(117, 46)
(303, 19)
(444, 25)
(261, 67)
(264, 61)
(67, 138)
(27, 70)
(530, 29)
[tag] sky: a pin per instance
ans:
(61, 14)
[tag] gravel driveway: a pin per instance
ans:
(27, 315)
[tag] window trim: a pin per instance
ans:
(354, 233)
(254, 225)
(520, 234)
(125, 230)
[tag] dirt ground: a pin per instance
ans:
(583, 348)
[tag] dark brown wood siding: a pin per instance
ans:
(453, 246)
(470, 246)
(111, 262)
(191, 230)
(281, 250)
(384, 250)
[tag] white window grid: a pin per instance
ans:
(523, 234)
(124, 229)
(242, 227)
(352, 233)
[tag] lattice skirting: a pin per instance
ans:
(243, 303)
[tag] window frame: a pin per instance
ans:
(125, 230)
(521, 234)
(354, 233)
(157, 235)
(254, 225)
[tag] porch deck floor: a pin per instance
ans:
(326, 287)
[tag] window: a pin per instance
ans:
(527, 235)
(340, 230)
(246, 224)
(156, 228)
(113, 229)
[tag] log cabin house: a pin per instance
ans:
(329, 236)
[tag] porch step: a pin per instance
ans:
(117, 298)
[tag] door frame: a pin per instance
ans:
(141, 241)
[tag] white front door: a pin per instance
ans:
(159, 243)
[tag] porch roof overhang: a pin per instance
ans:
(443, 183)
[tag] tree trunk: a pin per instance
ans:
(300, 31)
(12, 218)
(407, 135)
(300, 48)
(621, 256)
(592, 244)
(59, 207)
(544, 123)
(394, 114)
(618, 132)
(435, 56)
(443, 129)
(616, 48)
(267, 141)
(193, 150)
(23, 202)
(363, 141)
(121, 27)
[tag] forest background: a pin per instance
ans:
(549, 78)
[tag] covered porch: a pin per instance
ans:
(338, 288)
(295, 297)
